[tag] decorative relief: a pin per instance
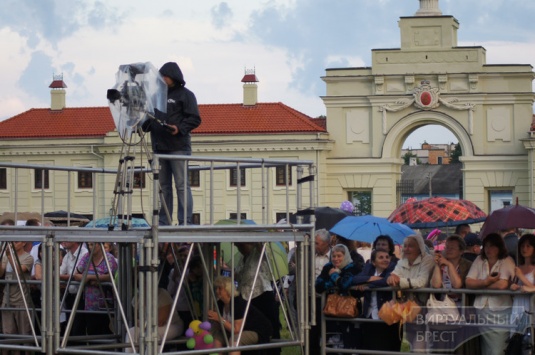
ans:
(443, 83)
(499, 124)
(357, 126)
(426, 97)
(427, 37)
(379, 84)
(473, 80)
(409, 83)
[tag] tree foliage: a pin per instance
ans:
(407, 158)
(456, 154)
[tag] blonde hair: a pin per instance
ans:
(226, 283)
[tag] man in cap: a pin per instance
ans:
(173, 137)
(473, 246)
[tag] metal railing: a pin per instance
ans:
(138, 279)
(464, 321)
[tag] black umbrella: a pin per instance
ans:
(61, 217)
(326, 217)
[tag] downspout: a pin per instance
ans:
(95, 154)
(95, 196)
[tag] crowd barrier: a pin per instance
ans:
(467, 319)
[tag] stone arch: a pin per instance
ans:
(395, 137)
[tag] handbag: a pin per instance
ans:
(400, 310)
(441, 312)
(340, 306)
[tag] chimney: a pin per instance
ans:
(57, 93)
(250, 92)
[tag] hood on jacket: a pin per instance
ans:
(421, 244)
(172, 70)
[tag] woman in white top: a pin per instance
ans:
(492, 270)
(525, 275)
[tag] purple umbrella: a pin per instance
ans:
(515, 216)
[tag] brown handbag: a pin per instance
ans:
(340, 306)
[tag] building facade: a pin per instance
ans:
(370, 113)
(429, 80)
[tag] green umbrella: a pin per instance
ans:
(275, 251)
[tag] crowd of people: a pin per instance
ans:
(458, 261)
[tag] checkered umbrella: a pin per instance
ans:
(437, 212)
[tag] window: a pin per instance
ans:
(139, 180)
(196, 218)
(85, 180)
(41, 179)
(234, 177)
(194, 178)
(500, 199)
(281, 177)
(3, 179)
(235, 216)
(362, 200)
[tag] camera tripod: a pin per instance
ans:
(126, 180)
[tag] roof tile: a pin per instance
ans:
(272, 118)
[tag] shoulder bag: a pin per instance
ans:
(441, 312)
(337, 305)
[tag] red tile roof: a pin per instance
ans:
(58, 84)
(249, 78)
(270, 118)
(260, 118)
(69, 122)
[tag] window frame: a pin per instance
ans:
(233, 177)
(38, 175)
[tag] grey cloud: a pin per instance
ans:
(221, 15)
(38, 75)
(312, 30)
(53, 20)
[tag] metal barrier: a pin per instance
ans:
(138, 280)
(464, 292)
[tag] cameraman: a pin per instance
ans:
(174, 138)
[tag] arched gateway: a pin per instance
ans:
(429, 80)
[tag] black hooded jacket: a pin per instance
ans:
(182, 111)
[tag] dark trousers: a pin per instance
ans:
(78, 327)
(267, 304)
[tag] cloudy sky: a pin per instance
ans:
(289, 43)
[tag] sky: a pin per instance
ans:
(289, 44)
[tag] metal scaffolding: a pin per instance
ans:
(139, 259)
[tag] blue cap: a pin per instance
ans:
(472, 239)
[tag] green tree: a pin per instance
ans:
(407, 158)
(456, 154)
(362, 200)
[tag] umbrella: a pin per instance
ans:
(234, 221)
(515, 216)
(367, 228)
(62, 217)
(105, 222)
(326, 217)
(275, 251)
(437, 212)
